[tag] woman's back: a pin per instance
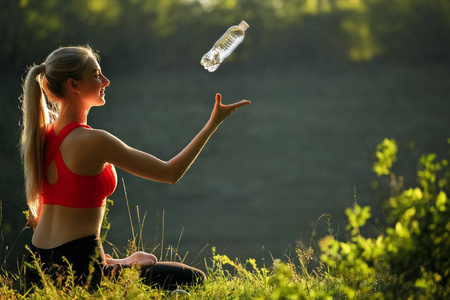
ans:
(75, 187)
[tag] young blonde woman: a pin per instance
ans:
(69, 171)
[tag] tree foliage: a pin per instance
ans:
(176, 32)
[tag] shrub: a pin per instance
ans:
(411, 259)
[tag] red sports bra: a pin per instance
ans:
(70, 189)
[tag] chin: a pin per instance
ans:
(100, 103)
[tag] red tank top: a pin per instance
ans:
(70, 189)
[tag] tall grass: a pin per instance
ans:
(227, 279)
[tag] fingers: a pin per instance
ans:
(240, 103)
(218, 98)
(221, 111)
(234, 105)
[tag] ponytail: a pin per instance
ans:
(36, 117)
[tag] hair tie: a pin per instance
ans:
(42, 68)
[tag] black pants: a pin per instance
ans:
(84, 257)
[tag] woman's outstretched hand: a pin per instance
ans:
(140, 258)
(221, 111)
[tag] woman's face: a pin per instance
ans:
(92, 85)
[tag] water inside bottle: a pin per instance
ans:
(222, 49)
(211, 60)
(229, 43)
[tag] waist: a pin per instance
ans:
(90, 242)
(59, 225)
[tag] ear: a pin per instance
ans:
(72, 85)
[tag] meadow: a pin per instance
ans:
(304, 148)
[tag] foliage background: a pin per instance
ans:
(328, 79)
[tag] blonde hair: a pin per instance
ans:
(43, 89)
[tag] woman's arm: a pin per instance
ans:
(110, 149)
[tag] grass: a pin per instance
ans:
(221, 284)
(227, 279)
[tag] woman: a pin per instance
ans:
(69, 171)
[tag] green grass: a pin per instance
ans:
(227, 279)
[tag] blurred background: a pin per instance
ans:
(328, 80)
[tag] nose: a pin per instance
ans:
(106, 81)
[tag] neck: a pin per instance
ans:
(69, 114)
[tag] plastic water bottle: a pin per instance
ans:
(224, 46)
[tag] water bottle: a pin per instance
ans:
(224, 46)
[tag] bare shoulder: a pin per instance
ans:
(91, 136)
(92, 144)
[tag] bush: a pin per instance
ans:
(411, 260)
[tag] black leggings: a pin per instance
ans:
(83, 254)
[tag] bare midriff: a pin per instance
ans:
(60, 224)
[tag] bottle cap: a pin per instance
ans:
(243, 25)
